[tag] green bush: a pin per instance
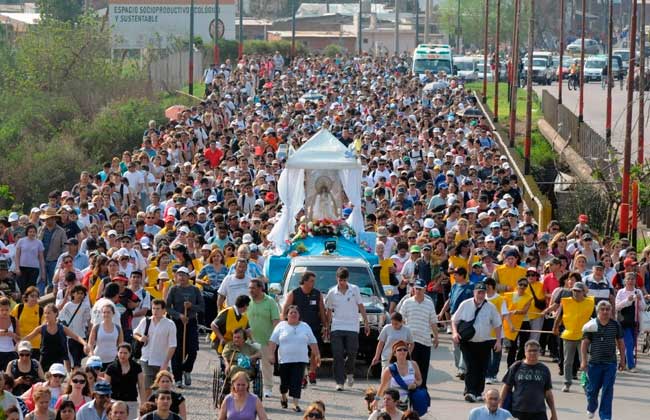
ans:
(270, 47)
(332, 50)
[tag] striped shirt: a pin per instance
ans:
(419, 316)
(602, 347)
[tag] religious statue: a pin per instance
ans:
(324, 205)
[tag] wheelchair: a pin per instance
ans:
(221, 382)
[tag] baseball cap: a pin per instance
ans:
(415, 248)
(480, 286)
(583, 218)
(629, 262)
(24, 346)
(184, 270)
(102, 388)
(170, 219)
(578, 286)
(247, 238)
(419, 284)
(57, 369)
(428, 223)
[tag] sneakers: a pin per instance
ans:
(470, 398)
(590, 415)
(566, 388)
(448, 329)
(461, 376)
(339, 387)
(179, 384)
(312, 378)
(267, 394)
(491, 380)
(187, 378)
(632, 370)
(350, 381)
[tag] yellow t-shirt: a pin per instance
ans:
(230, 261)
(28, 321)
(514, 302)
(533, 311)
(384, 273)
(155, 293)
(575, 315)
(497, 301)
(509, 276)
(460, 237)
(456, 262)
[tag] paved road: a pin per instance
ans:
(595, 111)
(631, 401)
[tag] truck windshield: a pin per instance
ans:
(595, 64)
(420, 65)
(539, 62)
(326, 278)
(465, 65)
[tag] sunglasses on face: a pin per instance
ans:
(315, 415)
(79, 381)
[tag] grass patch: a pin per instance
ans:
(541, 152)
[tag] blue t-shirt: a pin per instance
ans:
(459, 293)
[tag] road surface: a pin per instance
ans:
(631, 397)
(595, 111)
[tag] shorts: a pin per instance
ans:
(150, 373)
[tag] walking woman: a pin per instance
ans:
(54, 343)
(629, 304)
(30, 259)
(105, 337)
(240, 404)
(293, 338)
(126, 378)
(77, 391)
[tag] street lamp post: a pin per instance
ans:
(497, 63)
(610, 74)
(560, 77)
(485, 48)
(293, 29)
(359, 33)
(191, 63)
(529, 88)
(640, 124)
(581, 101)
(241, 29)
(514, 82)
(216, 32)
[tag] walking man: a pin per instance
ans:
(184, 302)
(574, 313)
(529, 381)
(263, 316)
(598, 359)
(477, 350)
(343, 303)
(420, 315)
(158, 337)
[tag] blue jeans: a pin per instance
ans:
(601, 376)
(629, 338)
(43, 283)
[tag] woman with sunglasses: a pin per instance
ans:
(401, 363)
(313, 412)
(77, 392)
(240, 404)
(25, 370)
(53, 381)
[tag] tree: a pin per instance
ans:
(63, 10)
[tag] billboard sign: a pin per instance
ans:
(140, 24)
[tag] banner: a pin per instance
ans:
(138, 24)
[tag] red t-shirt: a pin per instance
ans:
(618, 281)
(214, 157)
(550, 283)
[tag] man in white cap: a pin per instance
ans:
(184, 303)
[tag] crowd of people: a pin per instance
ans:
(170, 238)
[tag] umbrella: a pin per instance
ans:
(173, 111)
(436, 85)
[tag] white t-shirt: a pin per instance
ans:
(136, 180)
(79, 323)
(293, 342)
(96, 313)
(390, 335)
(232, 287)
(344, 307)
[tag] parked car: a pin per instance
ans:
(625, 57)
(591, 46)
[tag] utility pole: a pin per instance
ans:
(359, 33)
(486, 23)
(427, 21)
(640, 124)
(497, 63)
(459, 32)
(529, 87)
(560, 77)
(191, 64)
(581, 100)
(627, 151)
(417, 21)
(610, 74)
(216, 32)
(396, 27)
(515, 76)
(241, 29)
(293, 29)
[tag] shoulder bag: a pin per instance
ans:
(466, 329)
